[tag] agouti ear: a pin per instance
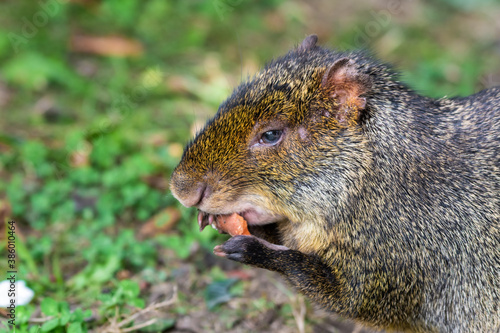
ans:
(344, 84)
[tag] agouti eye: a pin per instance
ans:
(271, 137)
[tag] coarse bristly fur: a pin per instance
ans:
(377, 203)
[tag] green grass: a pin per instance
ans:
(88, 142)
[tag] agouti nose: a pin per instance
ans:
(197, 195)
(192, 195)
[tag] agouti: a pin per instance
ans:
(377, 203)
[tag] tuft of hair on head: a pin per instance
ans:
(308, 43)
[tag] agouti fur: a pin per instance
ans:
(377, 203)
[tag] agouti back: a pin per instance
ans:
(377, 203)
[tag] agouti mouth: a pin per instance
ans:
(205, 219)
(253, 215)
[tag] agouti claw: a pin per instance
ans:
(234, 249)
(218, 251)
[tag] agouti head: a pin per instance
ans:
(283, 142)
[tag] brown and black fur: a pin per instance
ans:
(385, 205)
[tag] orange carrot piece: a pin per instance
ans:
(233, 224)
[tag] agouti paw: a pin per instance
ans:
(249, 250)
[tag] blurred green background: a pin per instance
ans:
(97, 99)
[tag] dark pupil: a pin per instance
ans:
(271, 136)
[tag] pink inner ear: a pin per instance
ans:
(340, 96)
(344, 84)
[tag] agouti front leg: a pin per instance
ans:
(306, 272)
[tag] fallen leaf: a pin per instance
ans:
(239, 274)
(160, 223)
(106, 45)
(80, 158)
(123, 274)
